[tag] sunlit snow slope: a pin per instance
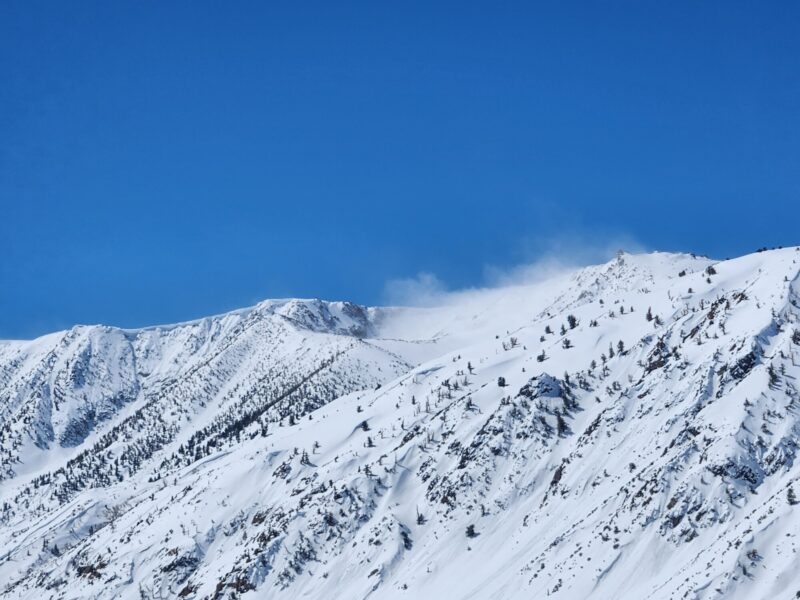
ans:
(627, 430)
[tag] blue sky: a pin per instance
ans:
(164, 161)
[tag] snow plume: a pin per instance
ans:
(425, 289)
(546, 258)
(553, 256)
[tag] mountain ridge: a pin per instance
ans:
(589, 435)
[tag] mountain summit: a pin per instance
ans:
(625, 430)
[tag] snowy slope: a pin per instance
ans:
(626, 430)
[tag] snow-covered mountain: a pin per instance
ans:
(627, 430)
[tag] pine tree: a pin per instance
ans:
(561, 425)
(773, 376)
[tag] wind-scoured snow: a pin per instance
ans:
(626, 430)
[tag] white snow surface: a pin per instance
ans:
(626, 430)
